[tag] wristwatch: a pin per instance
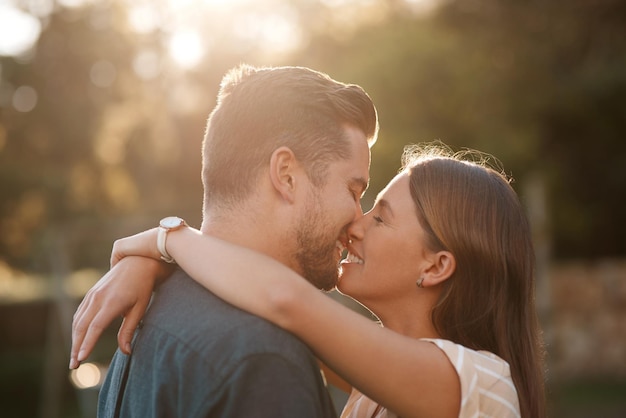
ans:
(171, 223)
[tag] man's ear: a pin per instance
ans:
(283, 172)
(442, 266)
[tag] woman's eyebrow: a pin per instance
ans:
(386, 206)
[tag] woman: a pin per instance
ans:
(444, 259)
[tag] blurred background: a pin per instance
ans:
(103, 105)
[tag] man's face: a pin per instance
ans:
(328, 212)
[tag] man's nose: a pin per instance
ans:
(356, 229)
(359, 211)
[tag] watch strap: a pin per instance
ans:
(161, 237)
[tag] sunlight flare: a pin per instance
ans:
(19, 31)
(186, 48)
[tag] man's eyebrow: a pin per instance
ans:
(361, 183)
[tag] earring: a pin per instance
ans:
(349, 241)
(420, 282)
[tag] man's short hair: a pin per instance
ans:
(261, 109)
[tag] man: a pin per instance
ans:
(285, 162)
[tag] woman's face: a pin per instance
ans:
(387, 253)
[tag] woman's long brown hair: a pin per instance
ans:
(470, 209)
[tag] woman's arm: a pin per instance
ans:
(333, 378)
(124, 291)
(408, 376)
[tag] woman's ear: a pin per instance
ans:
(283, 169)
(442, 266)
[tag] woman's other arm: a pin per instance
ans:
(408, 376)
(124, 291)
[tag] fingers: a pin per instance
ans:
(90, 334)
(96, 311)
(81, 318)
(124, 291)
(90, 321)
(127, 330)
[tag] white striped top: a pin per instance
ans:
(487, 389)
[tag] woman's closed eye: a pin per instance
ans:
(378, 219)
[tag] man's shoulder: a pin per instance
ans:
(190, 313)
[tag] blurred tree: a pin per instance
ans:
(99, 144)
(568, 85)
(538, 85)
(116, 127)
(45, 145)
(100, 127)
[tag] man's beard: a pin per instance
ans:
(317, 250)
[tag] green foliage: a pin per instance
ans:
(540, 85)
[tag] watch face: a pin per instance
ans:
(171, 222)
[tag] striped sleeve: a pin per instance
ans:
(487, 389)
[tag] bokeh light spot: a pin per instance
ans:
(74, 3)
(24, 99)
(103, 74)
(88, 375)
(41, 8)
(186, 48)
(143, 18)
(19, 31)
(147, 64)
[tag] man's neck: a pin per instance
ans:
(245, 230)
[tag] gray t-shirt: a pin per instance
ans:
(196, 356)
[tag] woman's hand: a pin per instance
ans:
(143, 244)
(124, 291)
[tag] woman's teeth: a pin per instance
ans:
(351, 258)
